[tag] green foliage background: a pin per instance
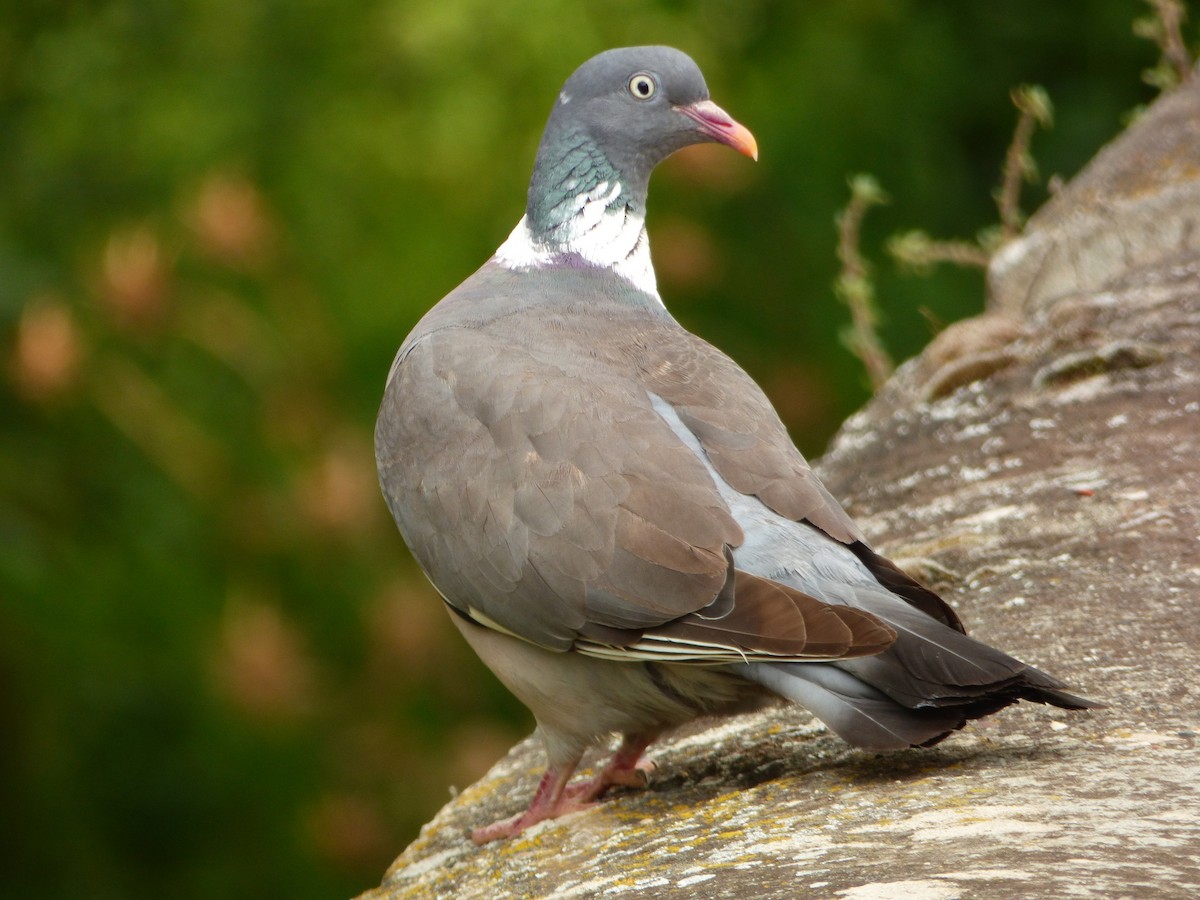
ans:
(220, 674)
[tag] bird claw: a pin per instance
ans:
(637, 777)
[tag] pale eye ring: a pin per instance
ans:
(643, 86)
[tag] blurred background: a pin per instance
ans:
(220, 673)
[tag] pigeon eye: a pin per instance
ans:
(643, 86)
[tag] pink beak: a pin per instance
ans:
(721, 127)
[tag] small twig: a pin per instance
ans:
(1173, 14)
(854, 286)
(920, 252)
(1165, 28)
(1035, 108)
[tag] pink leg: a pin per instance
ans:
(550, 801)
(553, 798)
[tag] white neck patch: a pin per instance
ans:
(602, 232)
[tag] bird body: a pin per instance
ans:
(611, 508)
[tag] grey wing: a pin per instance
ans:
(749, 449)
(545, 497)
(797, 535)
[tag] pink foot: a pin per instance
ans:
(553, 797)
(636, 776)
(507, 828)
(625, 769)
(550, 801)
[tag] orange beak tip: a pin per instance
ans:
(719, 126)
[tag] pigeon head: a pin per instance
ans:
(617, 117)
(640, 105)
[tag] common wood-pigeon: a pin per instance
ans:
(611, 508)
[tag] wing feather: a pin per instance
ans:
(540, 490)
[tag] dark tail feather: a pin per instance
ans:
(932, 664)
(855, 711)
(1043, 688)
(866, 717)
(930, 681)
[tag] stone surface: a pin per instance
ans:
(1041, 466)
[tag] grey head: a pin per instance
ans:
(617, 117)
